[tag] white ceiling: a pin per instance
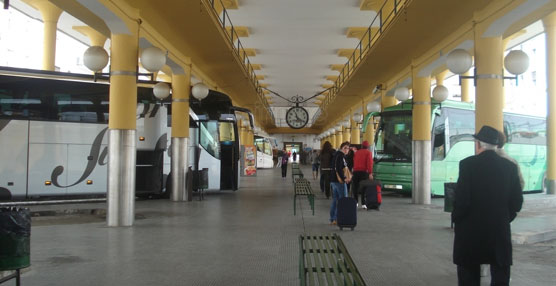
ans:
(297, 41)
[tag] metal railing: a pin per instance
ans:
(381, 22)
(239, 50)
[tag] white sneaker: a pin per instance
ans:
(364, 207)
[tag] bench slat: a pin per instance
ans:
(328, 265)
(332, 256)
(318, 265)
(309, 263)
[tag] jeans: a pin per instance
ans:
(339, 190)
(284, 170)
(325, 182)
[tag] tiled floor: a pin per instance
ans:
(250, 237)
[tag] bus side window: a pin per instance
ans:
(439, 148)
(439, 136)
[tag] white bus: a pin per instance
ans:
(54, 142)
(264, 152)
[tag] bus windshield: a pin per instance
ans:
(393, 139)
(208, 137)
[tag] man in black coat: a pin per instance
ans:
(488, 197)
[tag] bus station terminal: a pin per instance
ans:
(228, 142)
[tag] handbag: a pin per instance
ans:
(347, 174)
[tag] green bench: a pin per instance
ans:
(324, 260)
(296, 174)
(302, 187)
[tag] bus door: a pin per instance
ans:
(228, 156)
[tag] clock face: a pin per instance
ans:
(297, 117)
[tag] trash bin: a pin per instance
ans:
(15, 238)
(449, 196)
(200, 181)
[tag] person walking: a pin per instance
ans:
(362, 170)
(326, 155)
(338, 180)
(315, 162)
(284, 159)
(488, 197)
(294, 156)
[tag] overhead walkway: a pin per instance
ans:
(251, 237)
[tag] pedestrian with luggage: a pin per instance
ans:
(326, 155)
(339, 176)
(487, 199)
(362, 170)
(371, 191)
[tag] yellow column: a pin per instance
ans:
(489, 101)
(180, 103)
(549, 23)
(346, 136)
(370, 130)
(250, 136)
(50, 15)
(242, 133)
(355, 132)
(421, 144)
(333, 140)
(466, 87)
(387, 101)
(421, 109)
(123, 83)
(181, 81)
(339, 137)
(440, 77)
(96, 38)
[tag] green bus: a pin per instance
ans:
(452, 127)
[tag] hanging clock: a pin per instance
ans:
(297, 117)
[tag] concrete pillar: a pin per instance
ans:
(121, 130)
(421, 155)
(549, 23)
(180, 133)
(489, 101)
(50, 14)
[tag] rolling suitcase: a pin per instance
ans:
(373, 194)
(347, 213)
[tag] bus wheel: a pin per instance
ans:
(168, 187)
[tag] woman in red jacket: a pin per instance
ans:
(362, 170)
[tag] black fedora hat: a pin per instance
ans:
(488, 135)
